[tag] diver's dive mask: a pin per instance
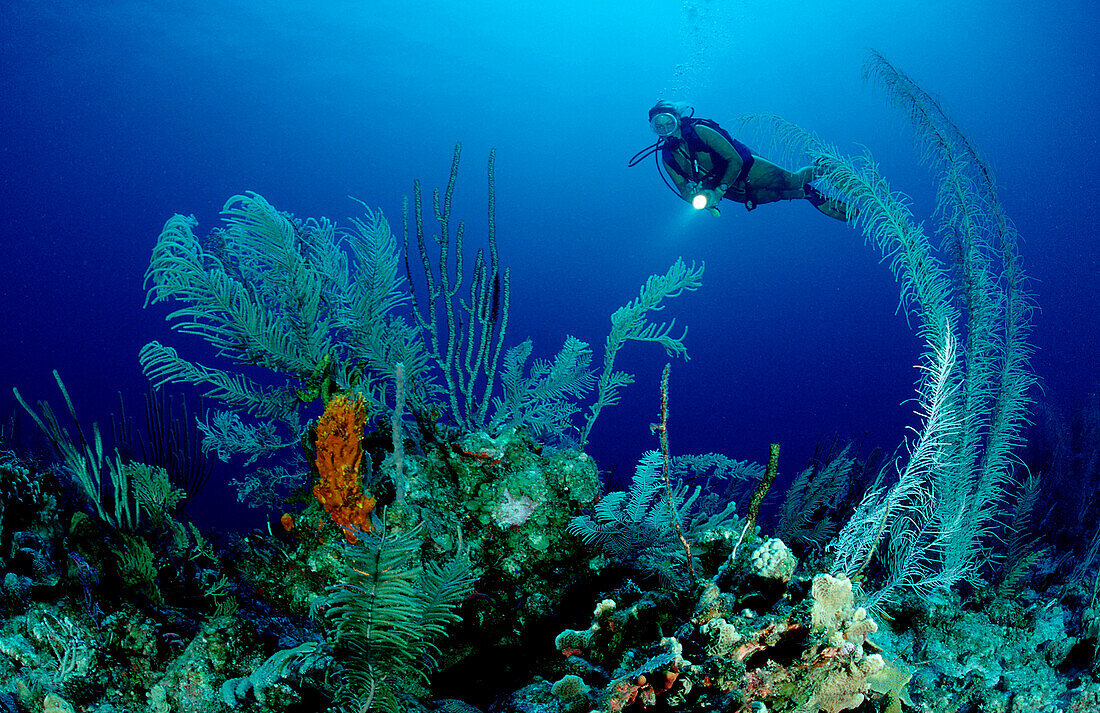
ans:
(664, 124)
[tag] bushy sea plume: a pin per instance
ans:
(314, 305)
(635, 526)
(936, 515)
(388, 613)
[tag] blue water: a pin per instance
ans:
(115, 115)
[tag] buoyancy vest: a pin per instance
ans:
(695, 145)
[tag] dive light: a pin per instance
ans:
(699, 198)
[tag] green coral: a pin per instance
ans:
(92, 467)
(629, 323)
(634, 526)
(296, 661)
(137, 566)
(548, 398)
(153, 490)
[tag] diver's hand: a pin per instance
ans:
(714, 198)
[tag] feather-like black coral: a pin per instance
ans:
(389, 611)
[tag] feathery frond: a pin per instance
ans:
(288, 296)
(548, 398)
(973, 313)
(387, 612)
(629, 323)
(635, 526)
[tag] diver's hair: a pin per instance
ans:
(663, 106)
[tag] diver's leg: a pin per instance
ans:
(806, 174)
(769, 183)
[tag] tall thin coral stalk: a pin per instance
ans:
(661, 429)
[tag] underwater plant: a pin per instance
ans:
(547, 399)
(284, 295)
(811, 513)
(463, 336)
(633, 526)
(168, 438)
(326, 310)
(936, 520)
(104, 479)
(386, 613)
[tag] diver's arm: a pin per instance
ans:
(718, 144)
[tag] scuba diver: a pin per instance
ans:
(706, 164)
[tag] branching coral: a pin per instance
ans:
(300, 298)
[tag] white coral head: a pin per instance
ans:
(513, 511)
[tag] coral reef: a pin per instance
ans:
(435, 554)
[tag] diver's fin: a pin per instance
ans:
(829, 206)
(835, 209)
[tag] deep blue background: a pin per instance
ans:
(114, 115)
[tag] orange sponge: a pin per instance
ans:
(339, 487)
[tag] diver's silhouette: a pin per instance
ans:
(706, 164)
